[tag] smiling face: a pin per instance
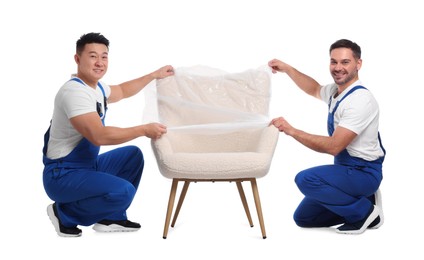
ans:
(92, 63)
(344, 67)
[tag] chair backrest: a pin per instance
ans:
(212, 110)
(205, 98)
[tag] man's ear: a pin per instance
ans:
(77, 58)
(359, 64)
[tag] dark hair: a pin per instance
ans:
(91, 38)
(343, 43)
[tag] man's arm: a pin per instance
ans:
(132, 87)
(90, 126)
(303, 81)
(333, 145)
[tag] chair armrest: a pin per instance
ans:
(268, 140)
(162, 146)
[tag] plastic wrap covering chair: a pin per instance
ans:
(218, 130)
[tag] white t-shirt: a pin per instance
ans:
(72, 99)
(358, 112)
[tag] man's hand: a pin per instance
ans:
(154, 130)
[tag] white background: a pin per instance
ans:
(37, 47)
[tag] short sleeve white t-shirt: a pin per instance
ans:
(72, 99)
(358, 112)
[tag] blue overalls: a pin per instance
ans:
(335, 194)
(88, 187)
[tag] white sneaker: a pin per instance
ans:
(61, 230)
(116, 226)
(378, 222)
(360, 226)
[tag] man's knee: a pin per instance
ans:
(122, 196)
(135, 152)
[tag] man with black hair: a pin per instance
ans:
(87, 187)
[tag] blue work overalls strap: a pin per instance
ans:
(98, 105)
(343, 158)
(84, 155)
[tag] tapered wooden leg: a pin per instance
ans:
(244, 201)
(258, 206)
(180, 202)
(170, 206)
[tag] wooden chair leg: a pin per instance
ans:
(170, 206)
(180, 202)
(258, 206)
(244, 201)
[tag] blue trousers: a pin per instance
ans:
(335, 194)
(85, 196)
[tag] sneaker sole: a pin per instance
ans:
(374, 214)
(112, 228)
(55, 222)
(379, 204)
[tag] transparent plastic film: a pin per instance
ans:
(204, 100)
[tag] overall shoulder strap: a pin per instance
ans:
(98, 84)
(347, 94)
(102, 89)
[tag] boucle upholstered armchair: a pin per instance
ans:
(217, 131)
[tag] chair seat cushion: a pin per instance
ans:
(215, 165)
